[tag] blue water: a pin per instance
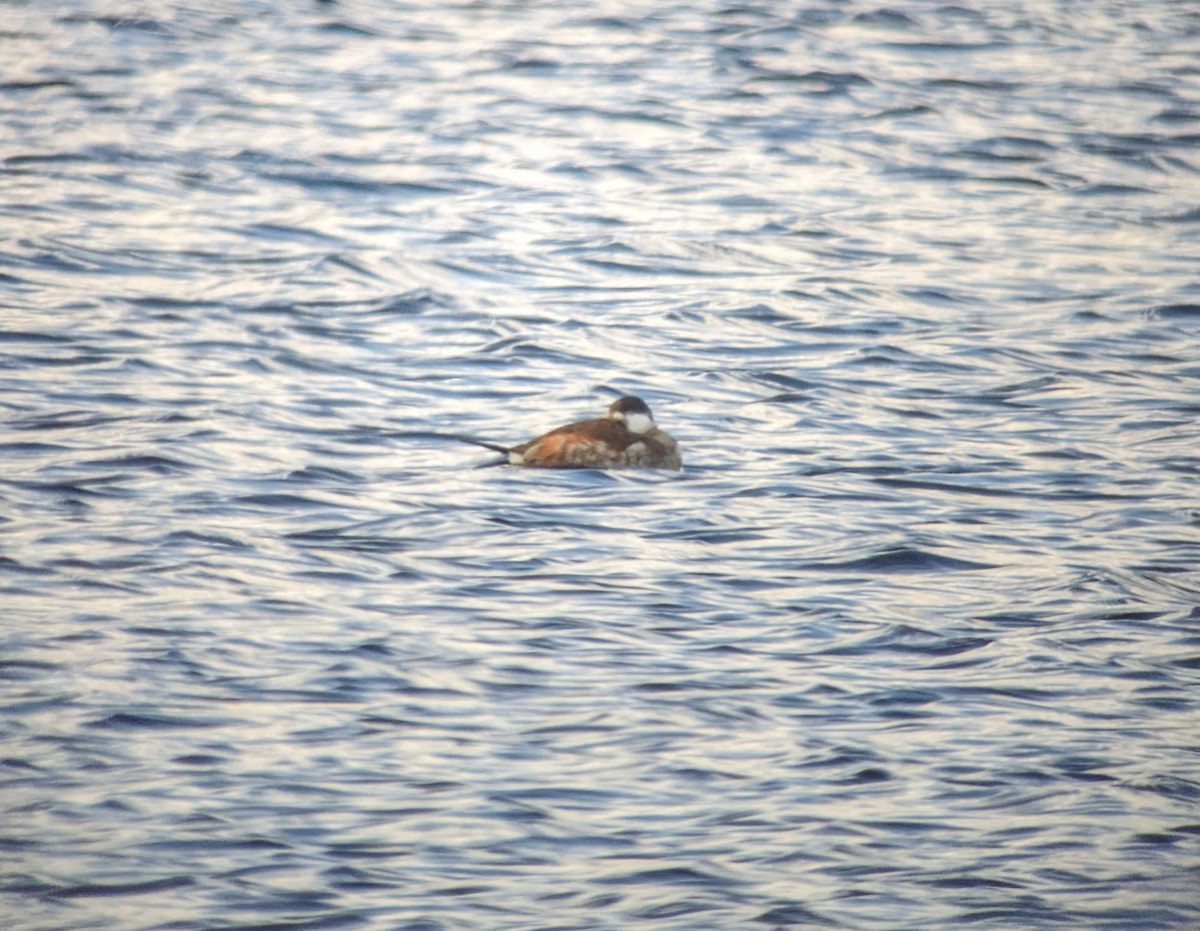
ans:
(913, 641)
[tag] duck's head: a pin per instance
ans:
(633, 412)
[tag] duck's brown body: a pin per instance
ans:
(627, 438)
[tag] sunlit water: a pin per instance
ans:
(913, 641)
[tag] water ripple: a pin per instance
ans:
(910, 642)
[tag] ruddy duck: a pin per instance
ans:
(626, 438)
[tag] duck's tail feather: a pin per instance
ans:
(491, 464)
(495, 447)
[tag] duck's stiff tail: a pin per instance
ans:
(496, 447)
(484, 443)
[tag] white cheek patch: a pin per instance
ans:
(639, 423)
(516, 459)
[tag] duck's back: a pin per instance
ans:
(599, 444)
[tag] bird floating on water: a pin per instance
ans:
(625, 438)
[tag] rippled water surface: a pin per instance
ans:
(913, 641)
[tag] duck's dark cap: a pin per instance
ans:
(630, 405)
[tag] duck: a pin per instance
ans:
(626, 437)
